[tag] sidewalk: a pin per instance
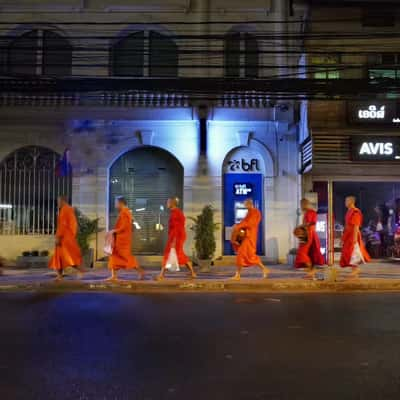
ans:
(382, 276)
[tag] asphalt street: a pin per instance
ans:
(199, 346)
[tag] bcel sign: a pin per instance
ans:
(375, 148)
(372, 113)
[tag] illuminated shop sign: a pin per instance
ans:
(373, 113)
(242, 189)
(244, 165)
(368, 148)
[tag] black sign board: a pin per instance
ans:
(370, 113)
(375, 148)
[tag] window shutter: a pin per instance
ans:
(22, 54)
(128, 55)
(57, 55)
(163, 55)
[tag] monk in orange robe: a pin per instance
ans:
(309, 252)
(176, 238)
(353, 249)
(246, 249)
(67, 252)
(121, 256)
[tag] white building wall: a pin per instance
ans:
(93, 153)
(119, 129)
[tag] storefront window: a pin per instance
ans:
(384, 73)
(325, 67)
(380, 205)
(384, 66)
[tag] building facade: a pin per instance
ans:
(146, 145)
(350, 146)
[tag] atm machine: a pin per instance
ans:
(238, 188)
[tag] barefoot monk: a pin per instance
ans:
(353, 249)
(67, 252)
(246, 249)
(176, 238)
(121, 255)
(309, 251)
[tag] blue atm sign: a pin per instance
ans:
(242, 189)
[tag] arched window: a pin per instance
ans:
(31, 179)
(145, 53)
(40, 52)
(128, 55)
(241, 55)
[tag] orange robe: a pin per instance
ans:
(121, 257)
(68, 253)
(309, 253)
(177, 235)
(354, 219)
(246, 251)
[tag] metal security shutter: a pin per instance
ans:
(146, 177)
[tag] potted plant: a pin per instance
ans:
(204, 239)
(86, 228)
(33, 259)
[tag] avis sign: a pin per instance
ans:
(375, 148)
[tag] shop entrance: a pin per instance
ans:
(146, 177)
(380, 205)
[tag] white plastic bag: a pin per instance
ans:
(356, 256)
(109, 244)
(172, 261)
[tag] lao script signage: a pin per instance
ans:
(375, 148)
(372, 113)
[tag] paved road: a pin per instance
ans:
(188, 346)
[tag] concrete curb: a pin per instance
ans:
(202, 286)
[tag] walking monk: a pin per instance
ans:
(309, 251)
(121, 255)
(176, 238)
(246, 249)
(67, 252)
(353, 249)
